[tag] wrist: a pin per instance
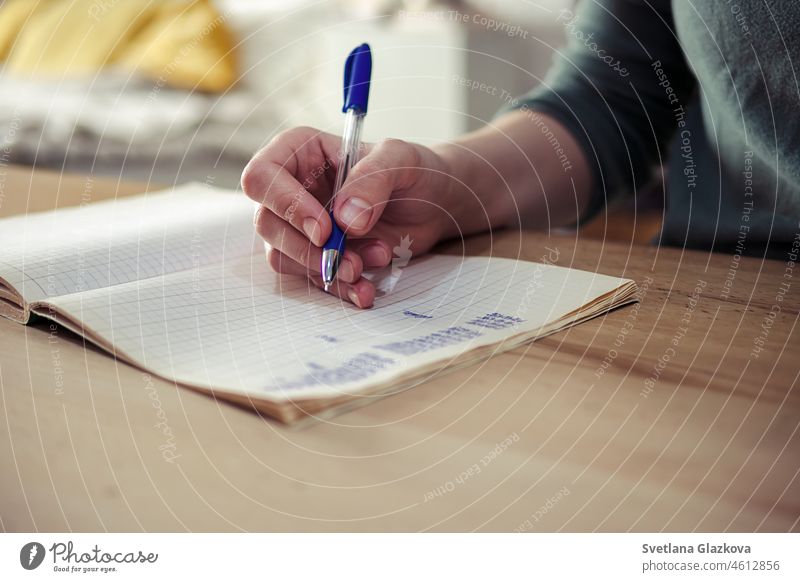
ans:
(455, 190)
(473, 196)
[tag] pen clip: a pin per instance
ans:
(357, 75)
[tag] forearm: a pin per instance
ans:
(523, 169)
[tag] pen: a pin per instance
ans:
(357, 72)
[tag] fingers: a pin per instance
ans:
(295, 223)
(361, 293)
(295, 246)
(271, 179)
(374, 253)
(389, 166)
(287, 199)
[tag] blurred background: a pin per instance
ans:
(170, 91)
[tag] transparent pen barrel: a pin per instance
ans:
(351, 144)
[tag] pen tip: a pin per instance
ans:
(327, 287)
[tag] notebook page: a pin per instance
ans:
(107, 243)
(239, 327)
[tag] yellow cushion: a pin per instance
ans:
(186, 45)
(181, 43)
(13, 16)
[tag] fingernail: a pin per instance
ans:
(353, 296)
(311, 227)
(375, 256)
(347, 271)
(355, 213)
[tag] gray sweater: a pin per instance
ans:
(709, 88)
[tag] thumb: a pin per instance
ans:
(389, 166)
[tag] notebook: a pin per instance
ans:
(176, 283)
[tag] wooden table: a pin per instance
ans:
(657, 417)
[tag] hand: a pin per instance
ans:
(396, 190)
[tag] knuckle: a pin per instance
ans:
(292, 135)
(400, 150)
(282, 137)
(262, 220)
(391, 143)
(402, 159)
(258, 215)
(287, 204)
(250, 181)
(257, 180)
(277, 199)
(304, 255)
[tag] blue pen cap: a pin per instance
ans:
(357, 73)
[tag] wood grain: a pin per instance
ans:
(543, 438)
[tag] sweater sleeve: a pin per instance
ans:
(617, 88)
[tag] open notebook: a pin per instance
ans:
(176, 283)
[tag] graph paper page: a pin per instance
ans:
(239, 327)
(76, 249)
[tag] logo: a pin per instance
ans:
(402, 256)
(31, 555)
